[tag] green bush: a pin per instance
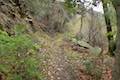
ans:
(17, 61)
(14, 44)
(70, 6)
(93, 69)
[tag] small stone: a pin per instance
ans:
(58, 78)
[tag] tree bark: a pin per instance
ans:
(109, 27)
(116, 69)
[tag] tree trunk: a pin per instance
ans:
(116, 70)
(109, 27)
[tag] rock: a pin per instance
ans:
(84, 44)
(94, 50)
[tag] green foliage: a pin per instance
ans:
(17, 77)
(89, 66)
(92, 69)
(19, 29)
(33, 68)
(4, 68)
(18, 56)
(1, 27)
(111, 33)
(116, 2)
(70, 6)
(13, 44)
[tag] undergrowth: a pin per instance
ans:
(18, 57)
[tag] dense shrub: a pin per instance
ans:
(17, 57)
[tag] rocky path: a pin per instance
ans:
(58, 67)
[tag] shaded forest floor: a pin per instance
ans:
(64, 60)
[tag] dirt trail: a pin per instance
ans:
(58, 66)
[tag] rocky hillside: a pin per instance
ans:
(10, 14)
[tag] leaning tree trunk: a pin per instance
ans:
(116, 70)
